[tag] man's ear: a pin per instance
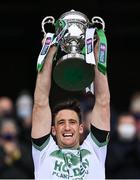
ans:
(81, 128)
(53, 131)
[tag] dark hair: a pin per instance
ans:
(71, 104)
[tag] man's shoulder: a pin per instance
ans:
(97, 136)
(42, 142)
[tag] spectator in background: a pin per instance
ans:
(6, 107)
(24, 105)
(123, 157)
(134, 108)
(15, 160)
(134, 105)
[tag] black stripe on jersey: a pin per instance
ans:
(40, 141)
(100, 135)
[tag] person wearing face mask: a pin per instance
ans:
(15, 158)
(24, 105)
(123, 158)
(126, 127)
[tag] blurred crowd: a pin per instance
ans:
(15, 142)
(123, 158)
(123, 155)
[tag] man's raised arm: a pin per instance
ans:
(101, 110)
(41, 116)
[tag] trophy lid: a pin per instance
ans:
(74, 15)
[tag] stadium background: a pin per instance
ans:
(20, 43)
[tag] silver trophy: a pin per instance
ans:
(71, 71)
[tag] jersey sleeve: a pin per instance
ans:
(100, 137)
(96, 142)
(40, 148)
(40, 143)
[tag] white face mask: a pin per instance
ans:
(24, 106)
(127, 131)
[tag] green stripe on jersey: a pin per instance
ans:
(100, 144)
(40, 148)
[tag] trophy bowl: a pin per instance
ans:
(71, 71)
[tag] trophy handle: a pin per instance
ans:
(47, 20)
(99, 22)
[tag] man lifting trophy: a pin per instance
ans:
(76, 37)
(57, 150)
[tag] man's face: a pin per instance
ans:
(67, 129)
